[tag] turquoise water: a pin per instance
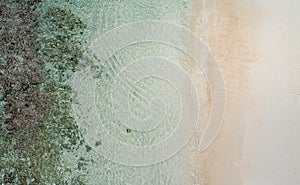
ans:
(100, 17)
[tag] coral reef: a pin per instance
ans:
(38, 54)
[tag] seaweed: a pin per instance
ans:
(24, 138)
(38, 55)
(62, 51)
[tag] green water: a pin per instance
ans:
(84, 162)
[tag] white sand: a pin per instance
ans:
(257, 44)
(272, 140)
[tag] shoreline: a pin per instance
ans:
(227, 30)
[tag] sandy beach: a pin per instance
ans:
(255, 44)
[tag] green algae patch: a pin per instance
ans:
(37, 60)
(27, 151)
(61, 48)
(61, 51)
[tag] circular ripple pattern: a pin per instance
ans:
(105, 47)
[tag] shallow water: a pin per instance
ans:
(101, 17)
(132, 96)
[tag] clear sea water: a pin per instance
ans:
(100, 17)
